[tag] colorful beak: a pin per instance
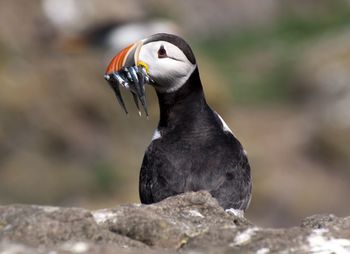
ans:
(125, 70)
(125, 58)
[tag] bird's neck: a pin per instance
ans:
(183, 106)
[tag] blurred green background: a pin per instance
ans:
(277, 71)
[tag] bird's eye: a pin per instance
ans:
(162, 52)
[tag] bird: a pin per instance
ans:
(192, 148)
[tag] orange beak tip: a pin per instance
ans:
(118, 61)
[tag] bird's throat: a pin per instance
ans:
(182, 106)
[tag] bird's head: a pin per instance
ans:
(167, 59)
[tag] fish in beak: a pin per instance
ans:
(127, 71)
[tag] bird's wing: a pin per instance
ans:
(234, 190)
(155, 184)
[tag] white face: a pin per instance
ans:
(167, 65)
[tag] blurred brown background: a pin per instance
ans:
(278, 71)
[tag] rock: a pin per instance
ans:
(188, 223)
(71, 247)
(170, 223)
(47, 226)
(324, 221)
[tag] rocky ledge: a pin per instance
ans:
(189, 223)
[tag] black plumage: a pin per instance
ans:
(194, 151)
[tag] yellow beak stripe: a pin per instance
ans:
(143, 64)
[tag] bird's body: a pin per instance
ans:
(192, 148)
(193, 151)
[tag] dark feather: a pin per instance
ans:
(194, 152)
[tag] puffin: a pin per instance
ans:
(192, 148)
